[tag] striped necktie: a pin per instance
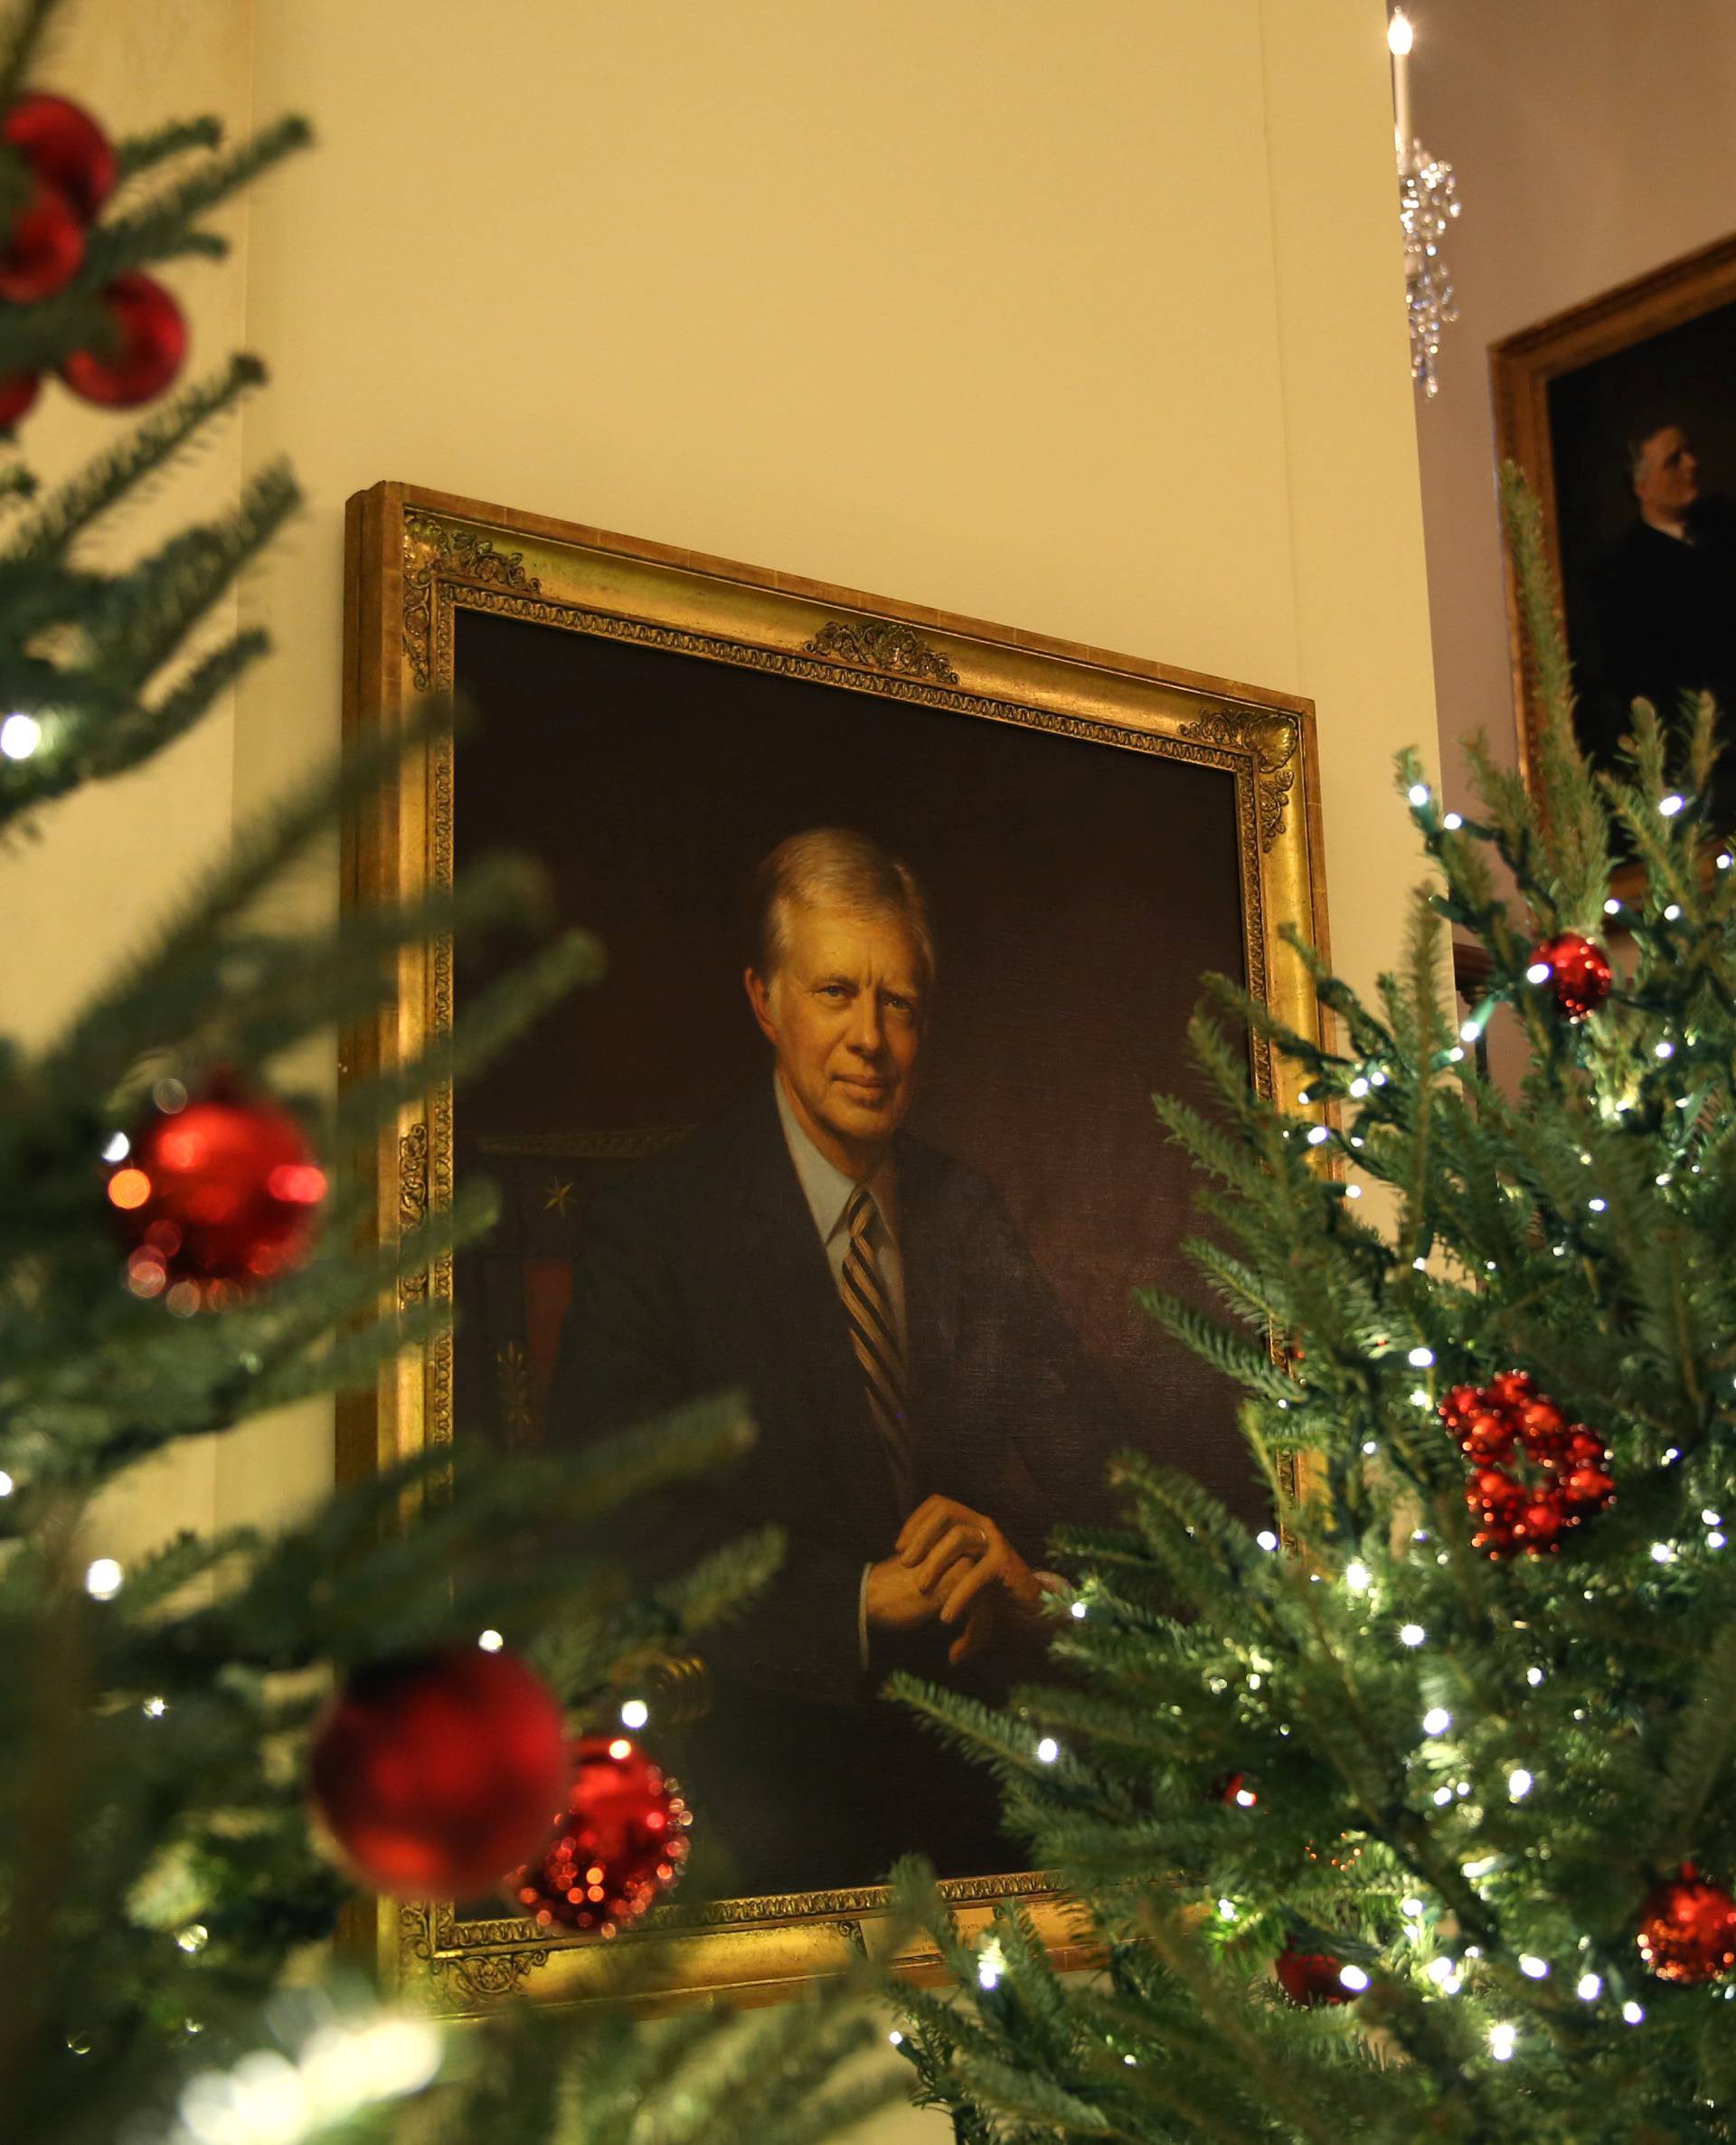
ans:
(873, 1333)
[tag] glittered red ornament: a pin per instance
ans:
(1310, 1977)
(1688, 1928)
(42, 250)
(18, 392)
(64, 146)
(1578, 975)
(621, 1843)
(152, 341)
(1534, 1476)
(438, 1774)
(214, 1196)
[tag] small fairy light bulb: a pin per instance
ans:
(1519, 1784)
(1420, 1357)
(1673, 912)
(19, 736)
(103, 1579)
(1316, 1134)
(1588, 1987)
(1613, 907)
(1267, 1539)
(990, 1963)
(6, 1483)
(1632, 2013)
(1078, 1611)
(1533, 1968)
(1597, 1206)
(1048, 1751)
(1533, 1676)
(1411, 1634)
(1723, 860)
(117, 1149)
(490, 1641)
(1354, 1979)
(1503, 2040)
(1444, 1974)
(1662, 1553)
(1539, 971)
(635, 1712)
(1420, 1399)
(1359, 1087)
(1358, 1578)
(1227, 1909)
(155, 1708)
(1437, 1721)
(896, 2039)
(1352, 1191)
(193, 1938)
(1664, 1050)
(1418, 795)
(1452, 822)
(1671, 804)
(1469, 1031)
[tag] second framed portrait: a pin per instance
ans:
(1622, 412)
(905, 917)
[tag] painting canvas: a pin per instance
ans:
(1622, 412)
(857, 1122)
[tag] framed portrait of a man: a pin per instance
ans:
(1623, 414)
(905, 917)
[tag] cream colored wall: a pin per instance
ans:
(73, 903)
(1591, 143)
(1087, 320)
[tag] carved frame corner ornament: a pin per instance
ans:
(416, 560)
(1273, 740)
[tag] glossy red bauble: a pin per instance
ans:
(151, 342)
(436, 1775)
(1688, 1928)
(18, 391)
(214, 1196)
(42, 250)
(1310, 1977)
(1578, 976)
(64, 146)
(621, 1843)
(1533, 1477)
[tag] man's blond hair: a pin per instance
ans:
(833, 867)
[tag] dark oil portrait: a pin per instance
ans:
(905, 918)
(994, 941)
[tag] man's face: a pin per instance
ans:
(843, 1012)
(1666, 483)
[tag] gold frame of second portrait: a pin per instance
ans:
(415, 558)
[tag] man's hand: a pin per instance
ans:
(964, 1565)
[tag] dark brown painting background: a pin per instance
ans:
(1079, 892)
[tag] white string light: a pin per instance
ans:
(1048, 1751)
(104, 1579)
(1411, 1634)
(1418, 794)
(635, 1712)
(1452, 822)
(1588, 1987)
(1519, 1784)
(1437, 1721)
(1352, 1977)
(1503, 2040)
(1420, 1357)
(1533, 1968)
(19, 736)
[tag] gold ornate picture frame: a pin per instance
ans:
(418, 562)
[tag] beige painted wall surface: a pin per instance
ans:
(1591, 139)
(1087, 320)
(73, 903)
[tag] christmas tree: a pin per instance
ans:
(181, 1247)
(1411, 1816)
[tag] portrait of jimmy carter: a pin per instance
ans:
(924, 1410)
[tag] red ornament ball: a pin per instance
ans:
(1310, 1977)
(436, 1774)
(621, 1841)
(214, 1196)
(1688, 1928)
(42, 250)
(151, 342)
(65, 147)
(18, 392)
(1578, 974)
(1533, 1477)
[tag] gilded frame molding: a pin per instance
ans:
(414, 559)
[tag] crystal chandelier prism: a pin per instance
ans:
(1428, 203)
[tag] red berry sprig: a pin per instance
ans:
(1534, 1476)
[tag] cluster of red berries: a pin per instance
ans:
(1534, 1476)
(72, 172)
